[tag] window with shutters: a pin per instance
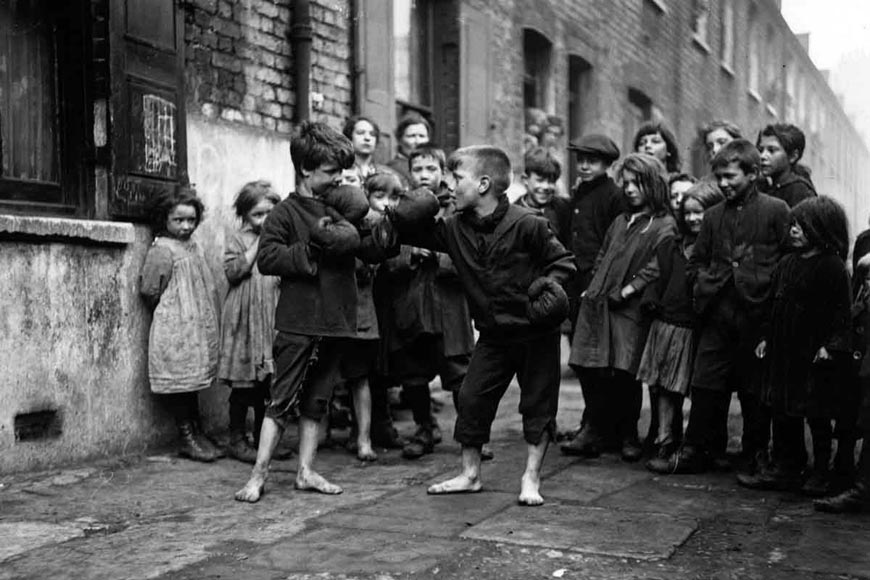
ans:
(412, 56)
(42, 113)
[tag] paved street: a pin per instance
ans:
(162, 517)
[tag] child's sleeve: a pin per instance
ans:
(155, 274)
(701, 253)
(652, 294)
(605, 245)
(237, 267)
(833, 281)
(278, 255)
(652, 269)
(430, 234)
(557, 261)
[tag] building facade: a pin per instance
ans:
(105, 102)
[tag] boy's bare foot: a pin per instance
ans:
(313, 481)
(530, 494)
(254, 489)
(365, 452)
(459, 484)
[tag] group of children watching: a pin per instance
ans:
(371, 277)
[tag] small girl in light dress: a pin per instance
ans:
(248, 321)
(183, 343)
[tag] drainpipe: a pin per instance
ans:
(301, 33)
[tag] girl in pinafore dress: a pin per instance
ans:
(666, 362)
(248, 321)
(183, 343)
(611, 330)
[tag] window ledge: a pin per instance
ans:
(772, 110)
(727, 68)
(660, 4)
(701, 44)
(111, 233)
(754, 94)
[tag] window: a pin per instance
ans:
(727, 44)
(754, 72)
(579, 91)
(412, 36)
(700, 22)
(772, 65)
(791, 93)
(40, 100)
(640, 111)
(536, 76)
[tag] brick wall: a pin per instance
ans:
(239, 62)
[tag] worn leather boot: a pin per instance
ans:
(420, 444)
(853, 500)
(587, 443)
(190, 446)
(240, 448)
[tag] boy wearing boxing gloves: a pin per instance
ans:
(512, 267)
(310, 241)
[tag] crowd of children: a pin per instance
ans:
(370, 276)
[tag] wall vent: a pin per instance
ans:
(38, 426)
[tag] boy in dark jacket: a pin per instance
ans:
(541, 171)
(730, 269)
(596, 202)
(309, 243)
(511, 267)
(432, 332)
(781, 146)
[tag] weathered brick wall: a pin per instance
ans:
(239, 62)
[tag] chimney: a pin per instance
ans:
(804, 40)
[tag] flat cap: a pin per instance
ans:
(599, 145)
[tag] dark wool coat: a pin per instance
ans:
(557, 212)
(318, 292)
(739, 243)
(594, 206)
(792, 189)
(669, 298)
(811, 308)
(399, 164)
(497, 267)
(611, 335)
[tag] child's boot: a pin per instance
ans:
(190, 446)
(843, 476)
(239, 447)
(420, 444)
(818, 484)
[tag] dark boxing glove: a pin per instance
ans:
(416, 206)
(349, 201)
(335, 237)
(548, 303)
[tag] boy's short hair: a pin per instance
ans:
(429, 150)
(384, 179)
(673, 161)
(789, 136)
(741, 151)
(412, 119)
(485, 160)
(539, 160)
(350, 125)
(651, 179)
(317, 143)
(726, 126)
(705, 192)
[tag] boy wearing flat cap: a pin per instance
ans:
(595, 203)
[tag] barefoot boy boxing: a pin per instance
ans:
(512, 267)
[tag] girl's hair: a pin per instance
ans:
(673, 160)
(162, 204)
(824, 223)
(726, 126)
(705, 192)
(650, 178)
(253, 193)
(681, 177)
(385, 180)
(350, 125)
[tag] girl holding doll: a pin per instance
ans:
(183, 341)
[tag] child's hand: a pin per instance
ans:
(822, 355)
(761, 349)
(626, 292)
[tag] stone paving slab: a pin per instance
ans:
(641, 536)
(585, 482)
(652, 496)
(330, 549)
